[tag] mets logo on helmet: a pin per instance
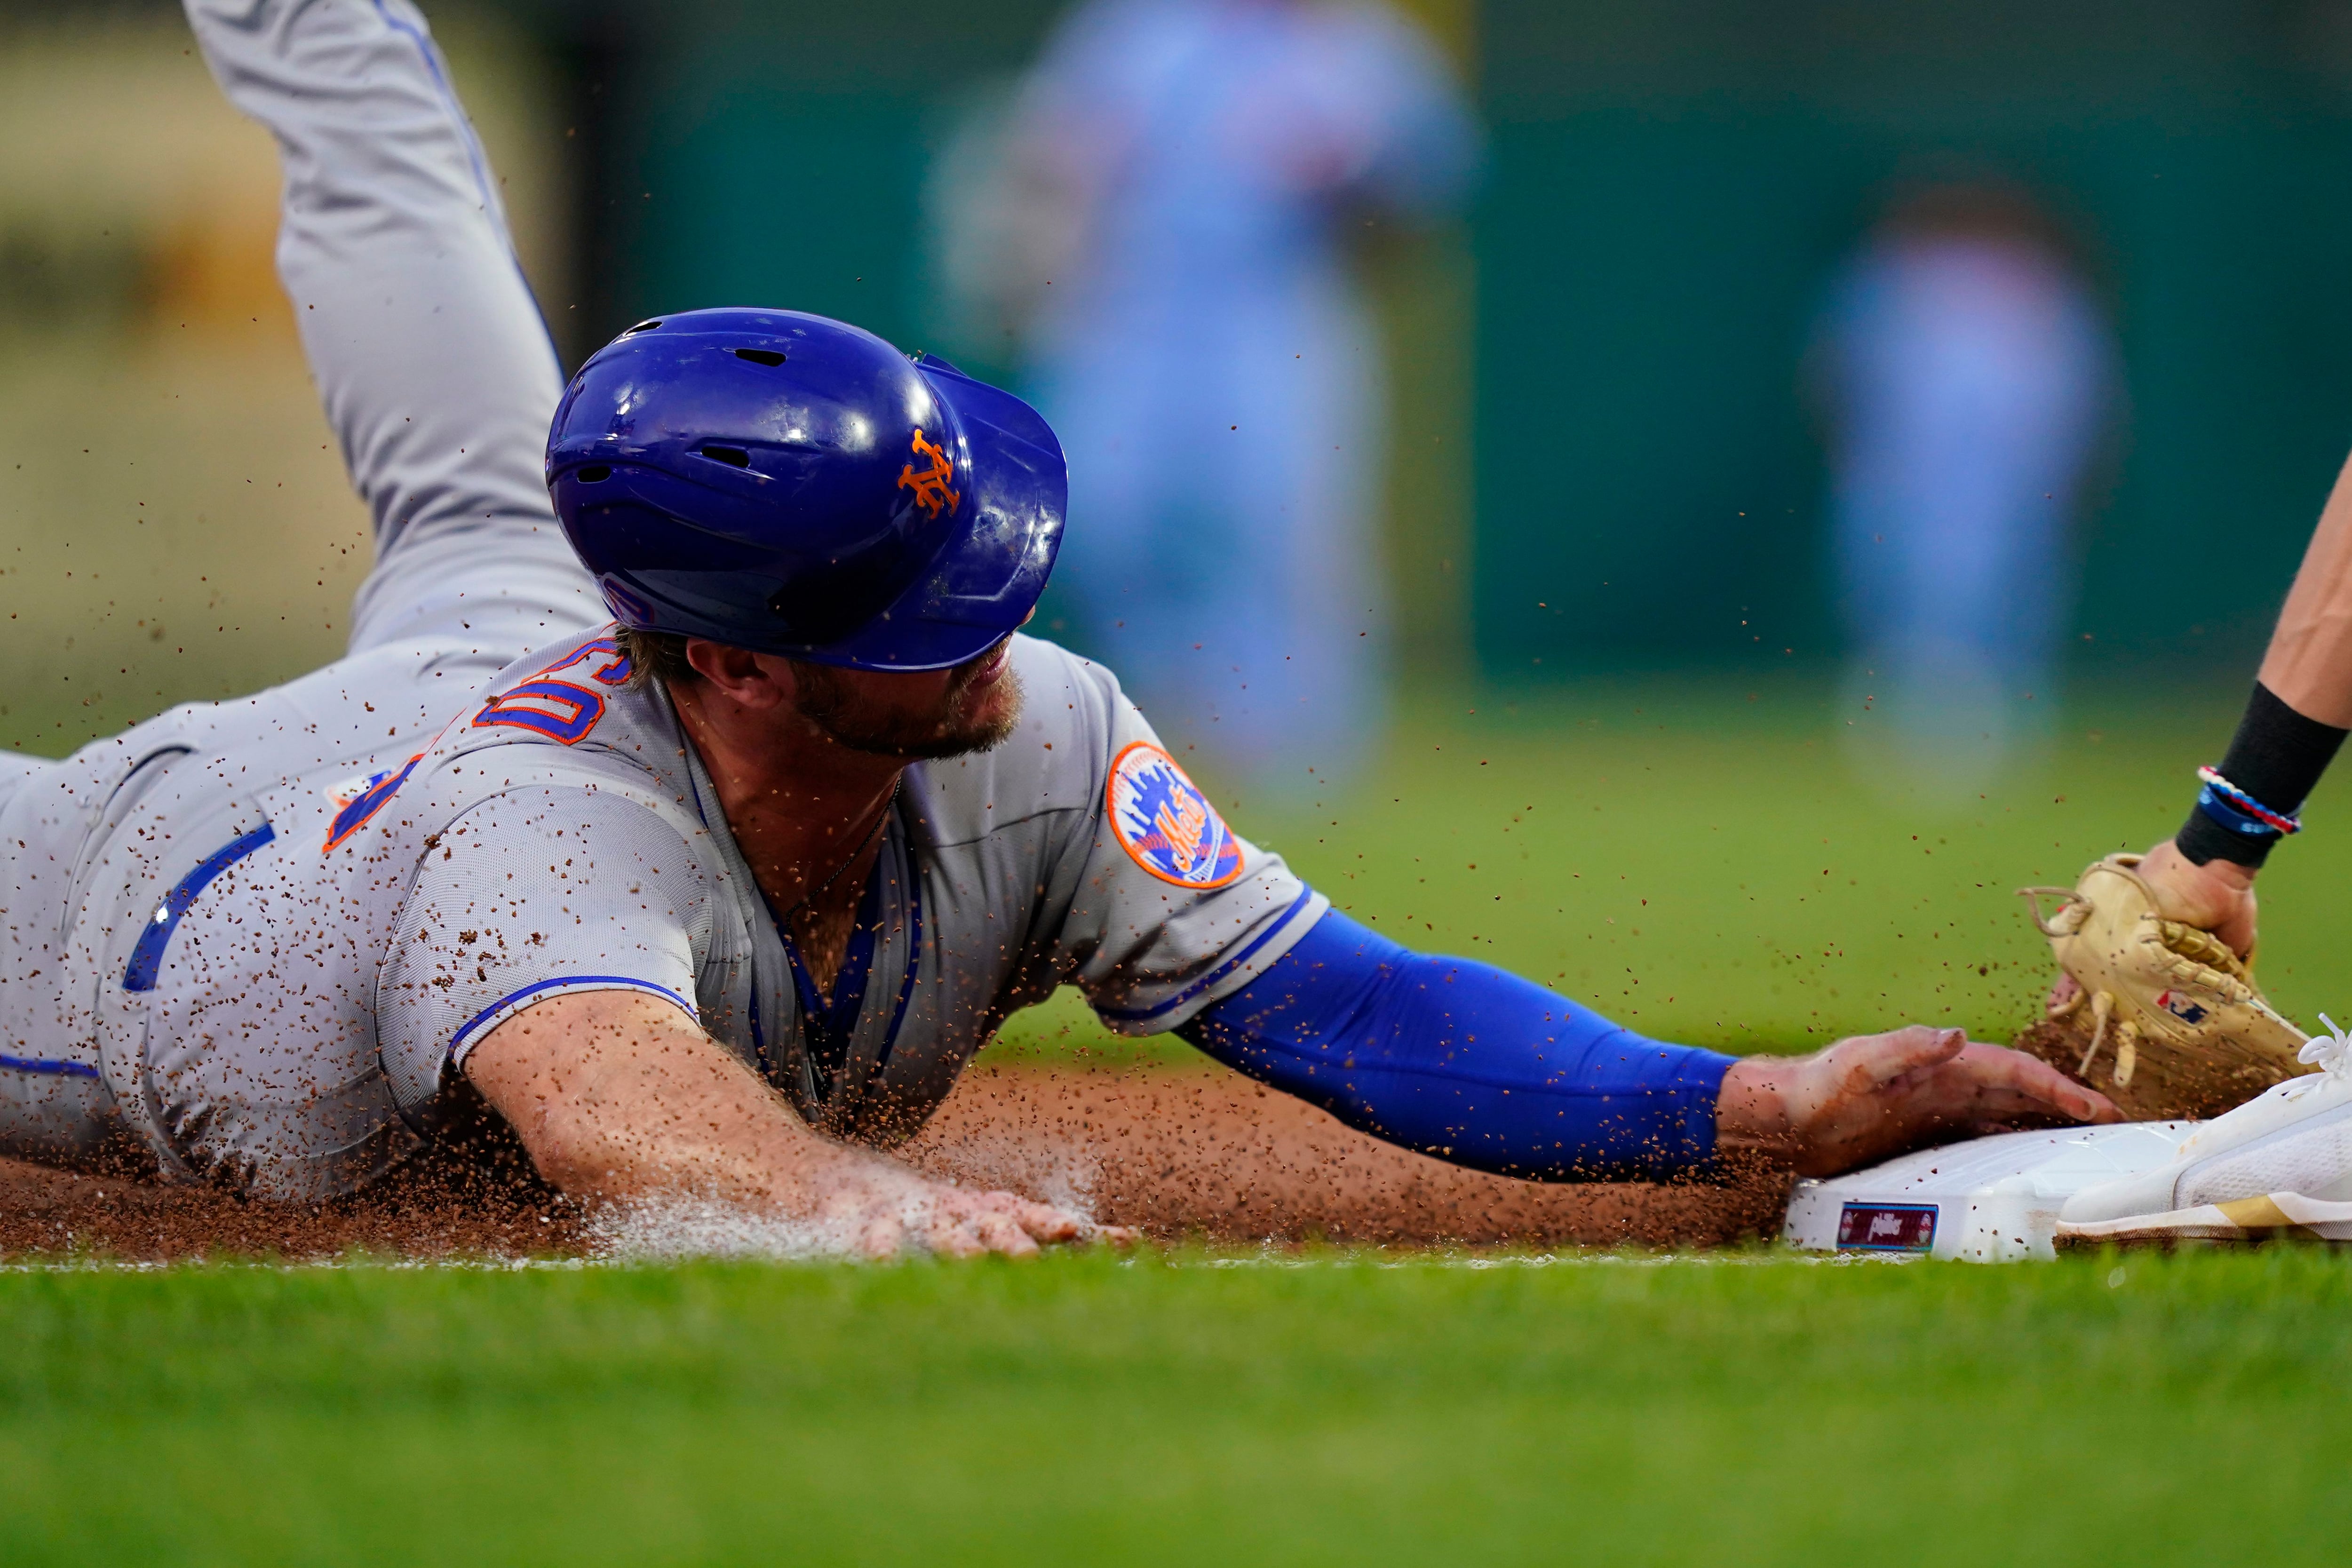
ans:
(1166, 824)
(930, 485)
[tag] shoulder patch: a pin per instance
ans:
(356, 800)
(1166, 824)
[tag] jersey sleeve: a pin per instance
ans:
(1173, 908)
(532, 894)
(1459, 1060)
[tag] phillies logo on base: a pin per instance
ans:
(1166, 824)
(1886, 1227)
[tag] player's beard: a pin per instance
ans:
(969, 716)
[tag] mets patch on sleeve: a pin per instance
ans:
(1166, 824)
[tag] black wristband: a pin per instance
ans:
(2277, 756)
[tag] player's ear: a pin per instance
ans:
(751, 679)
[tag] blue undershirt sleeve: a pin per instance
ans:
(1459, 1060)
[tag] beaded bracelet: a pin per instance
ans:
(2239, 812)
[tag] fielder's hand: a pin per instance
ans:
(2159, 1007)
(2217, 896)
(1873, 1096)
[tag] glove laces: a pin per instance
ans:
(2329, 1053)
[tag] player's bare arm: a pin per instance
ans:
(620, 1098)
(2309, 662)
(2300, 712)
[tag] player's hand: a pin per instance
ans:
(1875, 1095)
(621, 1098)
(886, 1214)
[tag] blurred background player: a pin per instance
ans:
(1192, 170)
(1968, 372)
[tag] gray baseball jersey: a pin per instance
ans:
(260, 936)
(350, 940)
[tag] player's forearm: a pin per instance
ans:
(618, 1095)
(2309, 664)
(618, 1098)
(1459, 1059)
(2293, 726)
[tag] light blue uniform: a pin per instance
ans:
(1210, 370)
(1971, 375)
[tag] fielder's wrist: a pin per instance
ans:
(2252, 798)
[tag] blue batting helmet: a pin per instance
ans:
(795, 485)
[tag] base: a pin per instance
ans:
(1990, 1200)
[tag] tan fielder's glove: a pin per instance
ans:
(2168, 1022)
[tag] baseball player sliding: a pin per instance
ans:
(705, 824)
(2157, 951)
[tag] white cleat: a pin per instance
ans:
(2280, 1164)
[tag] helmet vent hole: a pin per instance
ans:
(594, 474)
(760, 356)
(642, 327)
(733, 456)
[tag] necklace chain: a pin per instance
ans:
(863, 845)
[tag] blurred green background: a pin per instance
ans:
(1601, 459)
(1603, 463)
(1673, 180)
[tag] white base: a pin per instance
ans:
(1990, 1200)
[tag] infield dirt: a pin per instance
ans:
(1177, 1151)
(2189, 1091)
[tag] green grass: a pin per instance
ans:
(1752, 1409)
(1699, 858)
